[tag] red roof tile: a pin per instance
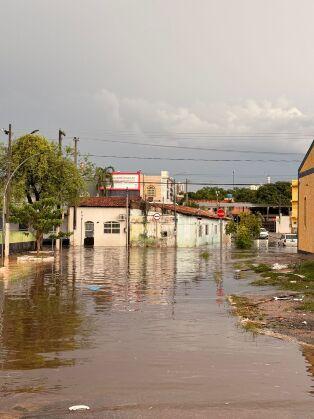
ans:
(102, 201)
(181, 209)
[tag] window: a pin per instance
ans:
(200, 231)
(112, 227)
(206, 230)
(23, 227)
(151, 191)
(164, 233)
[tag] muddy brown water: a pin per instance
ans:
(149, 335)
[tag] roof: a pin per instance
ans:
(181, 209)
(103, 201)
(306, 156)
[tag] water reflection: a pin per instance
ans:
(40, 317)
(102, 310)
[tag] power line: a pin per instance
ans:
(191, 148)
(190, 159)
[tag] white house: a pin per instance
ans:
(105, 221)
(100, 221)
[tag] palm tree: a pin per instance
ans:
(104, 179)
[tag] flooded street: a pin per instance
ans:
(149, 335)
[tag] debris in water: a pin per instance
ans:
(94, 287)
(79, 407)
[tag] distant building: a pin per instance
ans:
(306, 203)
(294, 205)
(158, 188)
(254, 187)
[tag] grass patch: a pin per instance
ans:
(261, 268)
(251, 326)
(287, 281)
(250, 314)
(205, 255)
(245, 308)
(306, 269)
(307, 306)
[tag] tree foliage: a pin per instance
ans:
(104, 179)
(47, 173)
(246, 230)
(277, 194)
(42, 216)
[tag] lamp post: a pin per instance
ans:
(4, 204)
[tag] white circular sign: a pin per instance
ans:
(156, 216)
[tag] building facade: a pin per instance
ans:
(306, 203)
(158, 188)
(119, 222)
(100, 221)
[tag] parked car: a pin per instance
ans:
(263, 233)
(288, 240)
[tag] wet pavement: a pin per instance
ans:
(149, 335)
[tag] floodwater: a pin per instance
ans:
(149, 335)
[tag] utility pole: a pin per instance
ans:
(76, 140)
(186, 192)
(175, 212)
(60, 135)
(127, 219)
(6, 227)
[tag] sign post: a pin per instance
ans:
(220, 215)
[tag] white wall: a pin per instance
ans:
(188, 231)
(283, 224)
(98, 216)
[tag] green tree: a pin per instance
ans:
(104, 179)
(244, 195)
(47, 172)
(42, 216)
(278, 194)
(246, 230)
(209, 193)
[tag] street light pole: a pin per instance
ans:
(4, 203)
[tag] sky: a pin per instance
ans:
(207, 74)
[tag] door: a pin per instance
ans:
(89, 234)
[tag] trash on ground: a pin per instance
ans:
(298, 299)
(284, 297)
(293, 282)
(278, 266)
(300, 276)
(79, 407)
(304, 322)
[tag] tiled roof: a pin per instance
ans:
(102, 201)
(196, 212)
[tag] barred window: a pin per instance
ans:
(151, 191)
(112, 227)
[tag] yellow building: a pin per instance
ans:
(157, 188)
(294, 205)
(306, 203)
